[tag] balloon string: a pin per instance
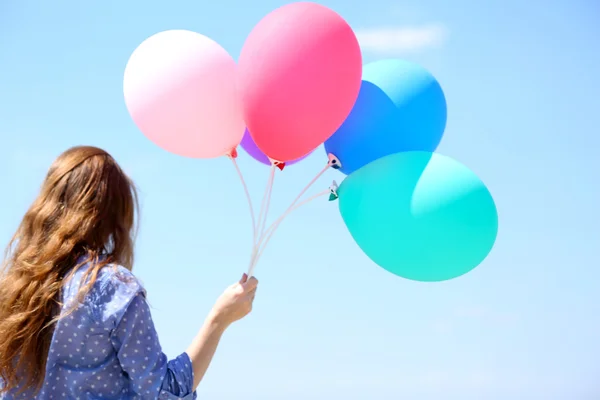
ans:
(278, 222)
(262, 219)
(262, 237)
(270, 231)
(265, 204)
(239, 172)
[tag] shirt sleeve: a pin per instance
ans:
(140, 355)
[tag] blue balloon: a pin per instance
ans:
(400, 107)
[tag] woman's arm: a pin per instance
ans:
(203, 348)
(139, 352)
(234, 304)
(140, 356)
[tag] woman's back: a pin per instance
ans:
(107, 347)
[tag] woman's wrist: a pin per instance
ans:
(216, 323)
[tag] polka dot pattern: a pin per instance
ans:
(108, 348)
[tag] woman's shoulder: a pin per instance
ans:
(118, 280)
(112, 273)
(115, 289)
(112, 282)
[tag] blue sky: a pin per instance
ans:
(522, 88)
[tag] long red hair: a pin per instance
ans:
(86, 211)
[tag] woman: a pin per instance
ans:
(74, 322)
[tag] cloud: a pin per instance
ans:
(394, 40)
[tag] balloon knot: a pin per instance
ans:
(232, 153)
(280, 165)
(333, 191)
(334, 162)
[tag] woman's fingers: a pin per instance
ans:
(251, 293)
(250, 298)
(250, 284)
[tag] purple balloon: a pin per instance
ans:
(252, 149)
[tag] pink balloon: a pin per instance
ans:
(299, 74)
(179, 88)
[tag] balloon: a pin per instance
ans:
(400, 107)
(420, 215)
(252, 149)
(179, 88)
(299, 74)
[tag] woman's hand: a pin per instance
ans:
(235, 302)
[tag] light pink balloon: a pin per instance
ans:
(299, 74)
(179, 89)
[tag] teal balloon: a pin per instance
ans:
(420, 215)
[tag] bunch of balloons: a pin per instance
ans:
(300, 83)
